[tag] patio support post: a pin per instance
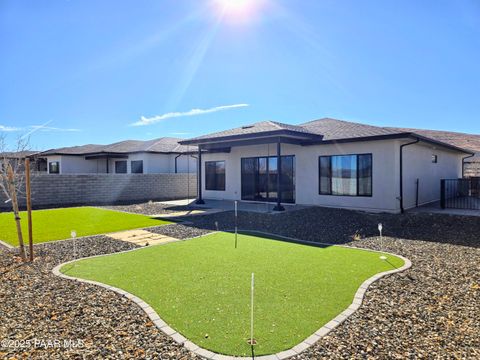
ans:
(279, 206)
(199, 175)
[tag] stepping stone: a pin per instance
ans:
(142, 237)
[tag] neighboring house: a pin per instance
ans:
(37, 164)
(325, 162)
(163, 155)
(466, 141)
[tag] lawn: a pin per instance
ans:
(201, 287)
(57, 224)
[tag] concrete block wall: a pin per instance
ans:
(96, 189)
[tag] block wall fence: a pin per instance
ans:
(100, 189)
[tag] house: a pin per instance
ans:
(16, 159)
(467, 141)
(163, 155)
(325, 162)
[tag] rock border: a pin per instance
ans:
(297, 349)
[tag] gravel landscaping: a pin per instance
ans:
(179, 231)
(35, 304)
(429, 311)
(151, 208)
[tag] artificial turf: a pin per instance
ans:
(201, 287)
(57, 224)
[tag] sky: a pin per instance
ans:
(85, 71)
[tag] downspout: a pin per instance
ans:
(402, 210)
(463, 164)
(176, 157)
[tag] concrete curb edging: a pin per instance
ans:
(297, 349)
(7, 245)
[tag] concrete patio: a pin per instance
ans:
(211, 206)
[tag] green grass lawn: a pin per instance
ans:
(57, 224)
(201, 287)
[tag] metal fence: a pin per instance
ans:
(460, 193)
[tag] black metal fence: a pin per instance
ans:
(460, 193)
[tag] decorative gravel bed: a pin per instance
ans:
(339, 226)
(429, 311)
(35, 304)
(179, 231)
(150, 208)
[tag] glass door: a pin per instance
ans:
(259, 178)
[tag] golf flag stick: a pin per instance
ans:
(236, 224)
(251, 310)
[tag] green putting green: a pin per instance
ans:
(57, 224)
(201, 287)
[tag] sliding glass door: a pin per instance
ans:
(259, 179)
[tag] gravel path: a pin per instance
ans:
(150, 208)
(35, 304)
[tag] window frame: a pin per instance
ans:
(216, 175)
(357, 178)
(434, 159)
(131, 166)
(50, 167)
(126, 166)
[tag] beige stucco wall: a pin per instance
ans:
(385, 179)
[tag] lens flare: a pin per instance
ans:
(239, 10)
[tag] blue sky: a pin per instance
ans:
(88, 70)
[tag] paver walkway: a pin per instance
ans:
(142, 237)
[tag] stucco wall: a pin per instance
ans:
(62, 190)
(152, 164)
(418, 165)
(385, 179)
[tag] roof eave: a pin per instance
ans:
(262, 134)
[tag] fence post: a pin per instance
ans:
(442, 193)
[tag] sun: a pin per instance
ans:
(238, 10)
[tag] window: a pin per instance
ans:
(259, 178)
(137, 167)
(349, 175)
(434, 159)
(121, 167)
(54, 167)
(215, 175)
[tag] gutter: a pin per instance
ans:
(402, 210)
(463, 164)
(176, 157)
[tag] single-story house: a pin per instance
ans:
(466, 141)
(163, 155)
(17, 158)
(325, 162)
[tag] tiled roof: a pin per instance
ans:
(161, 145)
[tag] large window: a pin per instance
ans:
(137, 167)
(215, 175)
(121, 167)
(54, 167)
(349, 175)
(259, 179)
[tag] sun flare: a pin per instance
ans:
(239, 10)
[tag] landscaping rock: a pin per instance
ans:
(428, 311)
(35, 304)
(179, 231)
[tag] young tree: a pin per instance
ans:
(12, 177)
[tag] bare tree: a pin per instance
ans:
(12, 178)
